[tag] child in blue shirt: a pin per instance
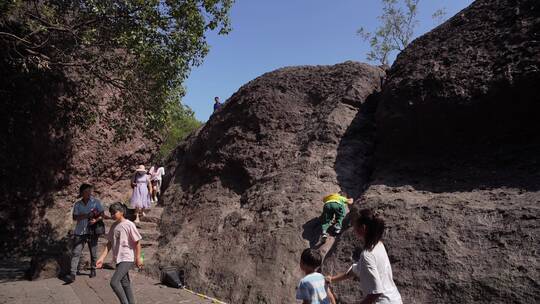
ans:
(312, 289)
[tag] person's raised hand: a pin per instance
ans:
(328, 279)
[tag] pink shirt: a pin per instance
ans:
(123, 237)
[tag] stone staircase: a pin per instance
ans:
(148, 228)
(14, 289)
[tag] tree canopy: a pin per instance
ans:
(397, 25)
(142, 50)
(181, 123)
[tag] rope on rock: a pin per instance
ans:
(200, 295)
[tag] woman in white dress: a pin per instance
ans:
(140, 197)
(373, 267)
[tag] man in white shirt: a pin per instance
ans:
(156, 177)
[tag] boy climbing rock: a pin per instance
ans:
(334, 209)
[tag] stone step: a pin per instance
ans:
(153, 215)
(141, 225)
(84, 263)
(13, 269)
(85, 255)
(149, 235)
(150, 219)
(149, 244)
(144, 242)
(156, 211)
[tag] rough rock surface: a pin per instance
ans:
(471, 81)
(47, 155)
(246, 190)
(457, 166)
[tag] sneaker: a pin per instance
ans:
(324, 237)
(337, 230)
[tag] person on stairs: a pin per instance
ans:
(373, 267)
(86, 212)
(125, 242)
(334, 210)
(156, 177)
(140, 198)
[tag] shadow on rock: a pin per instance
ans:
(311, 231)
(353, 163)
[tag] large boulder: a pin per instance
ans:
(246, 190)
(471, 81)
(458, 161)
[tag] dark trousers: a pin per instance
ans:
(121, 284)
(78, 245)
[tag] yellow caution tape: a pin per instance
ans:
(200, 295)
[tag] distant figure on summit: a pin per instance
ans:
(217, 104)
(333, 211)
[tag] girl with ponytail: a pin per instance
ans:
(373, 267)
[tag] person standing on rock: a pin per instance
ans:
(125, 242)
(217, 104)
(140, 198)
(373, 268)
(86, 212)
(334, 210)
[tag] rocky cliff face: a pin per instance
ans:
(457, 166)
(448, 152)
(246, 190)
(47, 154)
(471, 81)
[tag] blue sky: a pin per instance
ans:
(270, 34)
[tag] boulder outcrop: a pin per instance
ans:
(448, 153)
(246, 189)
(457, 165)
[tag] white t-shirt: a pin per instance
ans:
(160, 173)
(123, 237)
(375, 274)
(157, 174)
